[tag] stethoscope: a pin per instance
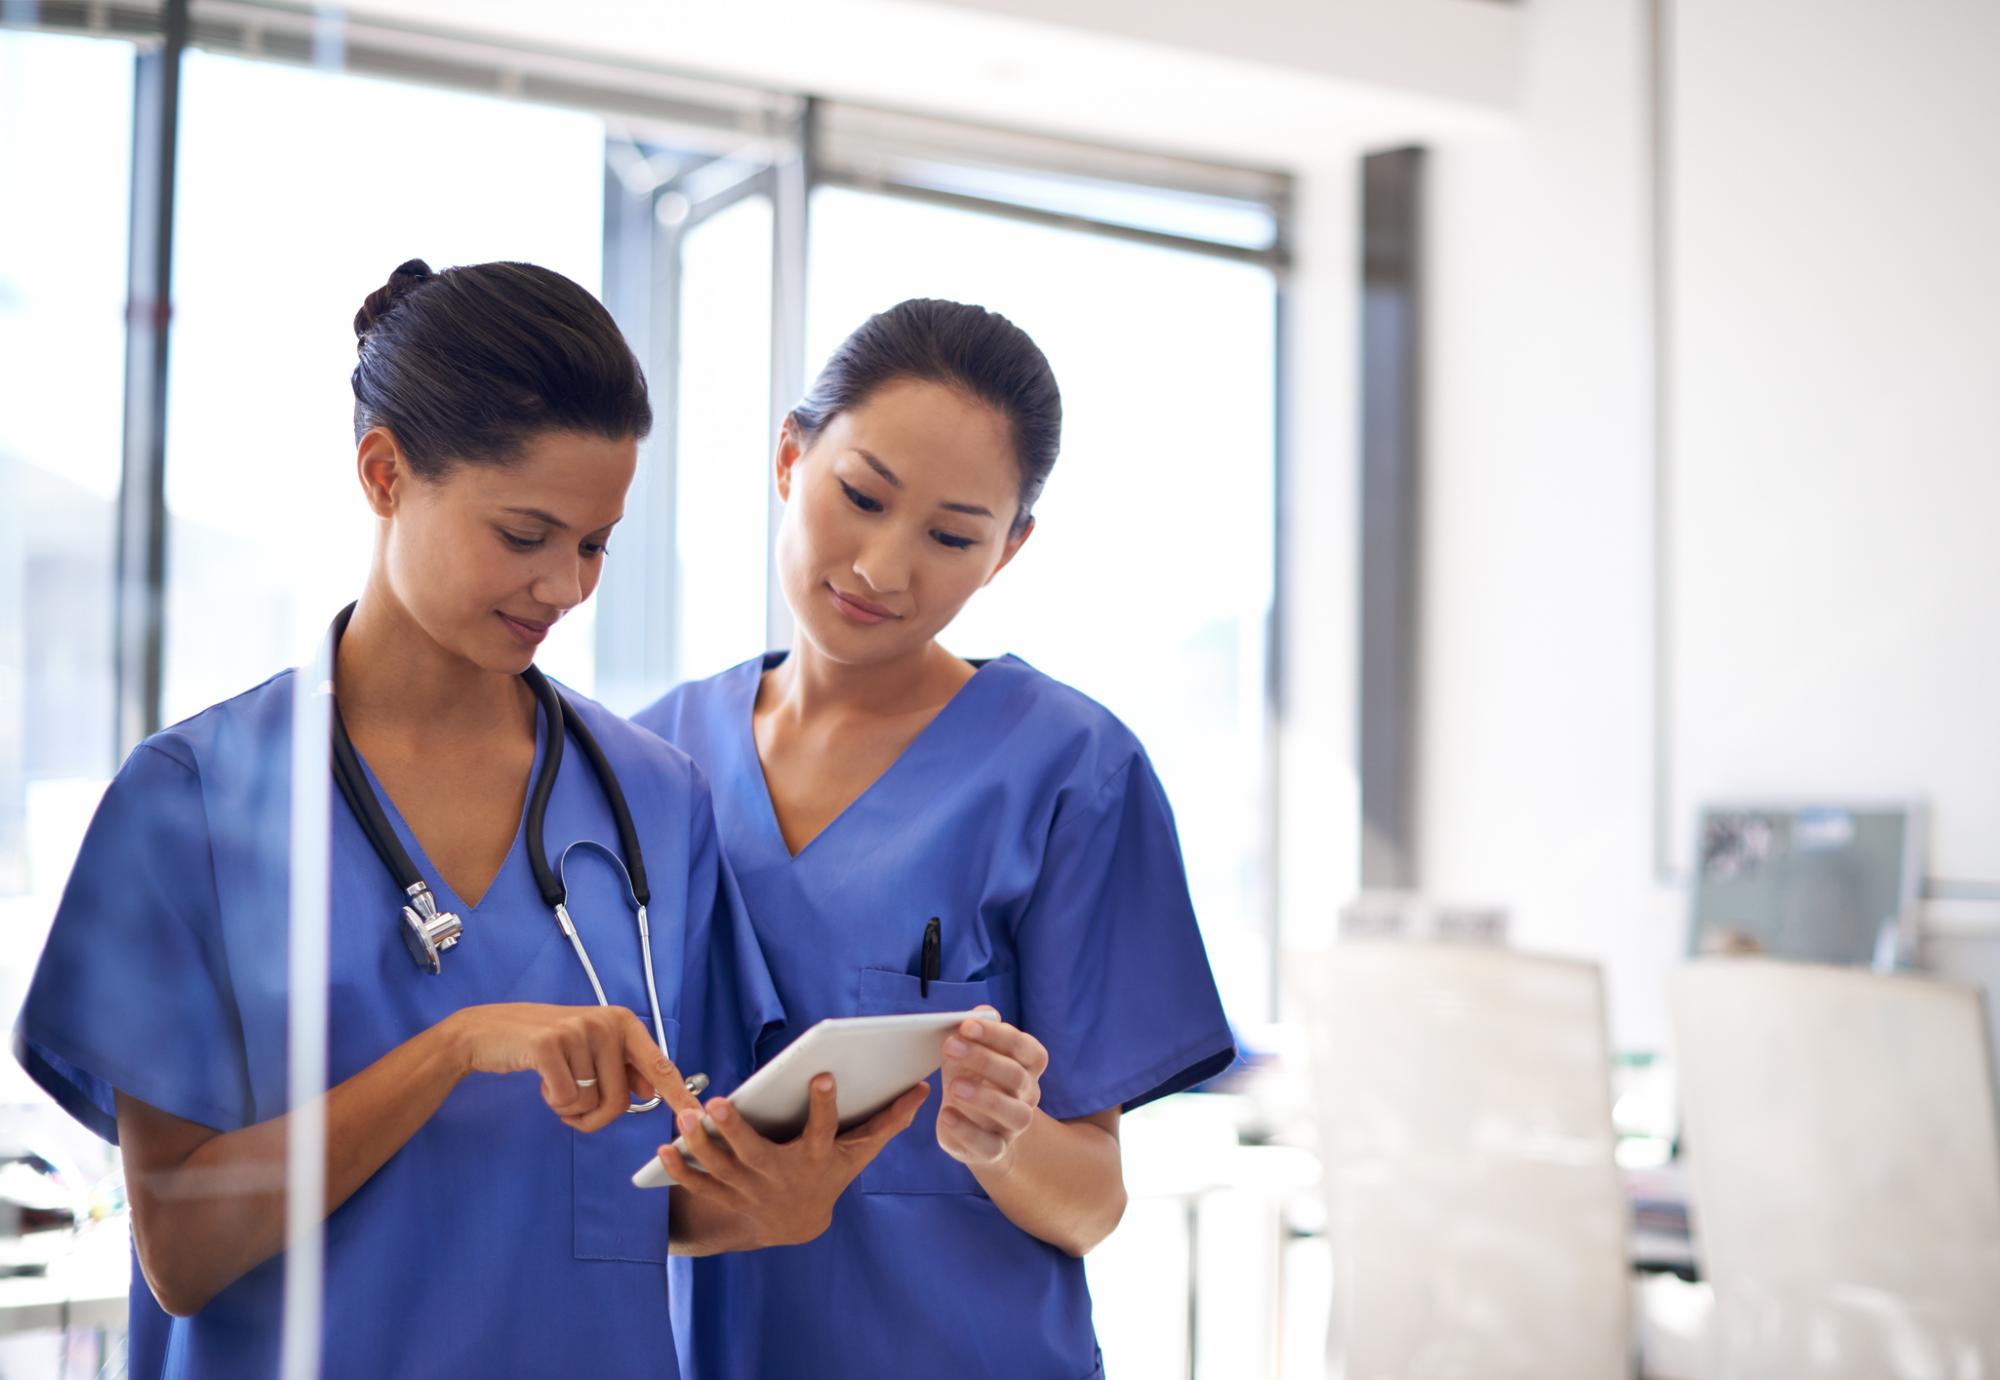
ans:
(428, 931)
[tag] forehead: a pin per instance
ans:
(932, 436)
(580, 479)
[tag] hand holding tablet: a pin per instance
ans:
(873, 1060)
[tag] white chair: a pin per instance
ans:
(1841, 1139)
(1477, 1216)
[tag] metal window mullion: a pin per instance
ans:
(792, 183)
(864, 141)
(663, 363)
(1269, 257)
(141, 539)
(635, 634)
(1275, 707)
(713, 205)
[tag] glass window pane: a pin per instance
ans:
(723, 505)
(1161, 507)
(62, 357)
(65, 181)
(300, 190)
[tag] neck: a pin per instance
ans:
(810, 684)
(396, 679)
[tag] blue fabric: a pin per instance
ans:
(1028, 820)
(497, 1241)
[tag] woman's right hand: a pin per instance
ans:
(591, 1059)
(781, 1194)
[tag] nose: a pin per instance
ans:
(561, 585)
(883, 565)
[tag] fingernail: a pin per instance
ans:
(955, 1046)
(961, 1088)
(688, 1120)
(720, 1111)
(824, 1083)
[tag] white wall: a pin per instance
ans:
(1534, 711)
(1461, 50)
(1835, 586)
(1319, 825)
(1837, 465)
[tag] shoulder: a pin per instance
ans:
(631, 749)
(1089, 744)
(243, 723)
(691, 707)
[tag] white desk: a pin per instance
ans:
(84, 1290)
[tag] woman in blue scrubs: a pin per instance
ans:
(913, 832)
(477, 1224)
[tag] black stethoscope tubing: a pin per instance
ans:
(427, 932)
(560, 721)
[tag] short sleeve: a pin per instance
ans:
(729, 1005)
(1114, 980)
(132, 993)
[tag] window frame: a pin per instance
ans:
(742, 139)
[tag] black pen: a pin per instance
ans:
(927, 970)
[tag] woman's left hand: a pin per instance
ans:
(992, 1088)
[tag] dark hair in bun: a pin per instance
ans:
(969, 348)
(468, 365)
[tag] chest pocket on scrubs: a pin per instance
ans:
(615, 1221)
(912, 1162)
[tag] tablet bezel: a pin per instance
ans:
(873, 1059)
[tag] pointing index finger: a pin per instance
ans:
(653, 1065)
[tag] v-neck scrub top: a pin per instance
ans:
(1028, 820)
(497, 1241)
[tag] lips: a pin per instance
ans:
(858, 609)
(527, 630)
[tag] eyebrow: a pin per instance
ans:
(539, 516)
(889, 476)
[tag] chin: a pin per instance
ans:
(867, 646)
(835, 638)
(497, 652)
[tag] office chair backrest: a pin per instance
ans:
(1840, 1132)
(1477, 1216)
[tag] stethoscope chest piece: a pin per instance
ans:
(428, 931)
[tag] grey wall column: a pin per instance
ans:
(142, 496)
(1391, 495)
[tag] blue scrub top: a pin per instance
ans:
(497, 1241)
(1028, 820)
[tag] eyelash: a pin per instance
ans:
(590, 548)
(869, 505)
(859, 499)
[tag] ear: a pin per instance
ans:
(382, 470)
(1015, 542)
(790, 448)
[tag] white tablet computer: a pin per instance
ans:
(873, 1059)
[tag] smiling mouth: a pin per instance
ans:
(526, 629)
